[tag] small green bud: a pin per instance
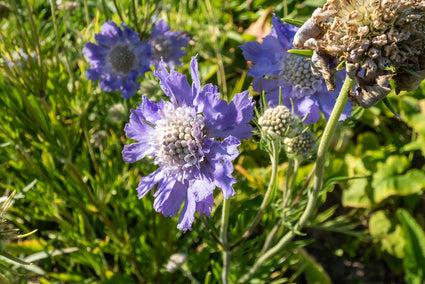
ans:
(301, 146)
(279, 122)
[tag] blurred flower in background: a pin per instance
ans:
(167, 45)
(118, 59)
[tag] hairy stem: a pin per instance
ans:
(274, 158)
(318, 180)
(224, 241)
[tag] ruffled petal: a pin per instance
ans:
(223, 120)
(132, 36)
(187, 215)
(170, 198)
(196, 83)
(93, 74)
(95, 53)
(111, 30)
(136, 151)
(203, 190)
(307, 106)
(146, 183)
(284, 32)
(174, 85)
(130, 86)
(223, 177)
(226, 149)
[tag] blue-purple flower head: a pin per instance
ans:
(167, 45)
(19, 57)
(277, 71)
(194, 139)
(118, 59)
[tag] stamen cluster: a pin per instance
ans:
(178, 137)
(296, 71)
(122, 58)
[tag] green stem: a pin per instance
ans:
(274, 158)
(318, 179)
(187, 274)
(224, 241)
(86, 12)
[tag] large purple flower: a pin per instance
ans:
(167, 44)
(289, 74)
(118, 59)
(194, 139)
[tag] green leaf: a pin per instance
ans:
(313, 271)
(297, 23)
(303, 53)
(389, 179)
(356, 194)
(414, 249)
(379, 224)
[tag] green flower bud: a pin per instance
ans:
(279, 122)
(301, 146)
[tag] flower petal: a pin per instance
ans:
(169, 200)
(223, 177)
(187, 215)
(146, 183)
(174, 85)
(223, 120)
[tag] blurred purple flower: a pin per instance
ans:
(194, 139)
(290, 73)
(167, 45)
(19, 57)
(118, 59)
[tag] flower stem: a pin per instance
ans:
(318, 180)
(274, 158)
(224, 241)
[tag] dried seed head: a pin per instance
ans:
(370, 35)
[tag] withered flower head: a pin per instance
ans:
(379, 40)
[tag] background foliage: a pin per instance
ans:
(61, 139)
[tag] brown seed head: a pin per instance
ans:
(378, 39)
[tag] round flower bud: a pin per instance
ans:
(279, 122)
(301, 146)
(175, 261)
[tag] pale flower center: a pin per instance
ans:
(178, 139)
(296, 71)
(121, 58)
(162, 45)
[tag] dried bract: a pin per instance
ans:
(379, 40)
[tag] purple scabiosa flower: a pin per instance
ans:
(167, 45)
(289, 74)
(118, 59)
(194, 139)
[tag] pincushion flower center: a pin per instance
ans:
(162, 45)
(296, 71)
(178, 139)
(122, 58)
